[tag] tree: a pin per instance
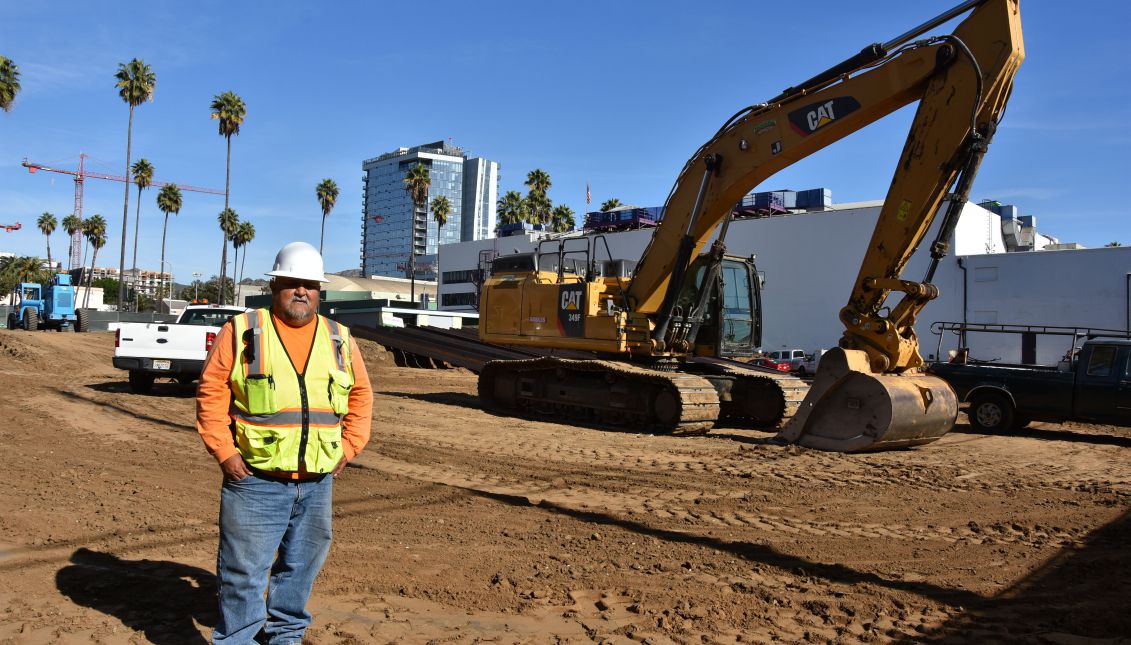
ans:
(610, 204)
(245, 233)
(14, 270)
(538, 181)
(327, 193)
(9, 83)
(168, 201)
(230, 111)
(72, 224)
(538, 199)
(561, 219)
(135, 85)
(229, 221)
(1113, 244)
(512, 208)
(416, 183)
(441, 208)
(143, 178)
(109, 288)
(29, 269)
(47, 224)
(538, 208)
(209, 290)
(94, 228)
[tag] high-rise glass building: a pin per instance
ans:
(390, 227)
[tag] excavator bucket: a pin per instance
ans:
(850, 409)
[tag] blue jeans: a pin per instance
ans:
(276, 527)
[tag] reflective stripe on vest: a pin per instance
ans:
(287, 421)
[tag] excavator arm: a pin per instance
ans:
(962, 82)
(959, 79)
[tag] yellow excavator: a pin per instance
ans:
(655, 345)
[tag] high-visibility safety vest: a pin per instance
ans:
(283, 419)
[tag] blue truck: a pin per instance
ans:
(49, 306)
(1091, 383)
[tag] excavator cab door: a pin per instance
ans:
(740, 309)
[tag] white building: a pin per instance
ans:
(809, 262)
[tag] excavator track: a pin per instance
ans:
(754, 397)
(602, 393)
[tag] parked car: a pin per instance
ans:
(175, 350)
(793, 357)
(1092, 385)
(765, 361)
(808, 365)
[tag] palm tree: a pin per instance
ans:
(229, 221)
(327, 193)
(610, 204)
(168, 201)
(538, 207)
(561, 219)
(47, 224)
(538, 181)
(416, 183)
(229, 109)
(28, 268)
(72, 224)
(512, 208)
(135, 85)
(94, 228)
(441, 208)
(245, 233)
(9, 83)
(143, 178)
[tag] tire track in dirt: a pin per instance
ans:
(690, 508)
(794, 467)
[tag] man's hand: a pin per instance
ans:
(340, 467)
(235, 468)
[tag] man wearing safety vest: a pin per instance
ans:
(284, 402)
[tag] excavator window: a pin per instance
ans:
(523, 262)
(737, 309)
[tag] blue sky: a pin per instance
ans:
(618, 94)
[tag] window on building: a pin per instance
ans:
(469, 299)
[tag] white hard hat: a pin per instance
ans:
(298, 260)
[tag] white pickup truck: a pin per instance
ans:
(174, 350)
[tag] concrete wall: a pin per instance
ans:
(1069, 288)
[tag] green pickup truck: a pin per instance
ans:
(1092, 384)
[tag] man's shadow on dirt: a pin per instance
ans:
(157, 597)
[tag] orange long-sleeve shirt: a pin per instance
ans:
(213, 396)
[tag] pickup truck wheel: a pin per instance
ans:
(991, 412)
(801, 372)
(140, 382)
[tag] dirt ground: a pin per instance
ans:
(458, 526)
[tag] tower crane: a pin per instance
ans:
(8, 228)
(80, 176)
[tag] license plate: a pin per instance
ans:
(162, 365)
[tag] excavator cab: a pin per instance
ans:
(731, 323)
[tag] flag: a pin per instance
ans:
(588, 195)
